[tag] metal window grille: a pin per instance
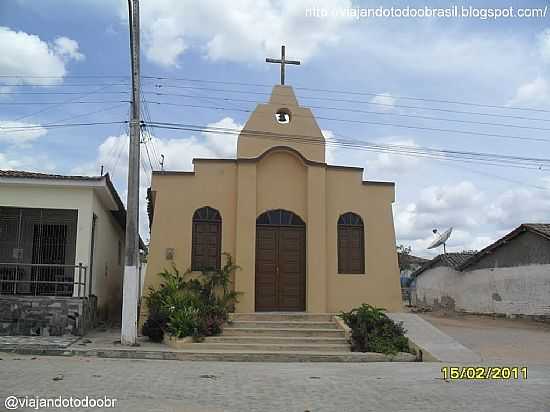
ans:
(37, 253)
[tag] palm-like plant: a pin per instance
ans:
(209, 295)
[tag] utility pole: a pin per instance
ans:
(131, 265)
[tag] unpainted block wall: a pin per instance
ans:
(46, 315)
(520, 290)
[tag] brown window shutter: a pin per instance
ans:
(206, 242)
(351, 244)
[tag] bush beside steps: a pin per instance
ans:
(190, 305)
(373, 331)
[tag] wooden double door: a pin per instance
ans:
(280, 268)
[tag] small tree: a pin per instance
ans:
(403, 252)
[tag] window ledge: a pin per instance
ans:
(351, 274)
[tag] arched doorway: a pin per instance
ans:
(280, 262)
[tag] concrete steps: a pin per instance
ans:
(270, 347)
(273, 337)
(277, 340)
(280, 336)
(286, 324)
(273, 331)
(282, 316)
(251, 337)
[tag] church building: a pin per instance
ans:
(306, 235)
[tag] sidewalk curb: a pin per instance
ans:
(351, 357)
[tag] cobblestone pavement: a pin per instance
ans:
(145, 385)
(39, 341)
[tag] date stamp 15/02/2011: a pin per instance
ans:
(484, 372)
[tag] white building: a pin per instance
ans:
(61, 252)
(509, 277)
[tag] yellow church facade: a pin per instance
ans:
(306, 235)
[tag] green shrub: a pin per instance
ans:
(154, 326)
(373, 331)
(184, 322)
(184, 306)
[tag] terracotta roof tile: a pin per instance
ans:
(35, 175)
(452, 259)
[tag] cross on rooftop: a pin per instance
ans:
(282, 62)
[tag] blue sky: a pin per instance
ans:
(503, 62)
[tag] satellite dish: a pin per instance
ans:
(440, 239)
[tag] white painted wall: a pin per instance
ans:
(107, 268)
(521, 290)
(56, 198)
(435, 283)
(108, 261)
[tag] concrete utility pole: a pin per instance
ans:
(131, 267)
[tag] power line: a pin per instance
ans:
(47, 109)
(216, 98)
(397, 152)
(58, 93)
(353, 101)
(148, 156)
(58, 125)
(487, 158)
(433, 129)
(80, 76)
(117, 146)
(61, 103)
(248, 84)
(62, 85)
(121, 148)
(147, 115)
(491, 175)
(352, 92)
(105, 109)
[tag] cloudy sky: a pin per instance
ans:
(71, 62)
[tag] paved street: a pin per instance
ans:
(145, 385)
(497, 339)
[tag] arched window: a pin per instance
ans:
(351, 244)
(279, 217)
(207, 239)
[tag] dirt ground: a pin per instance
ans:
(497, 339)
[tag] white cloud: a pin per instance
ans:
(240, 30)
(7, 163)
(519, 205)
(376, 163)
(443, 198)
(457, 205)
(164, 41)
(19, 133)
(532, 93)
(394, 164)
(67, 48)
(330, 151)
(544, 44)
(26, 55)
(435, 51)
(20, 161)
(478, 219)
(179, 154)
(384, 101)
